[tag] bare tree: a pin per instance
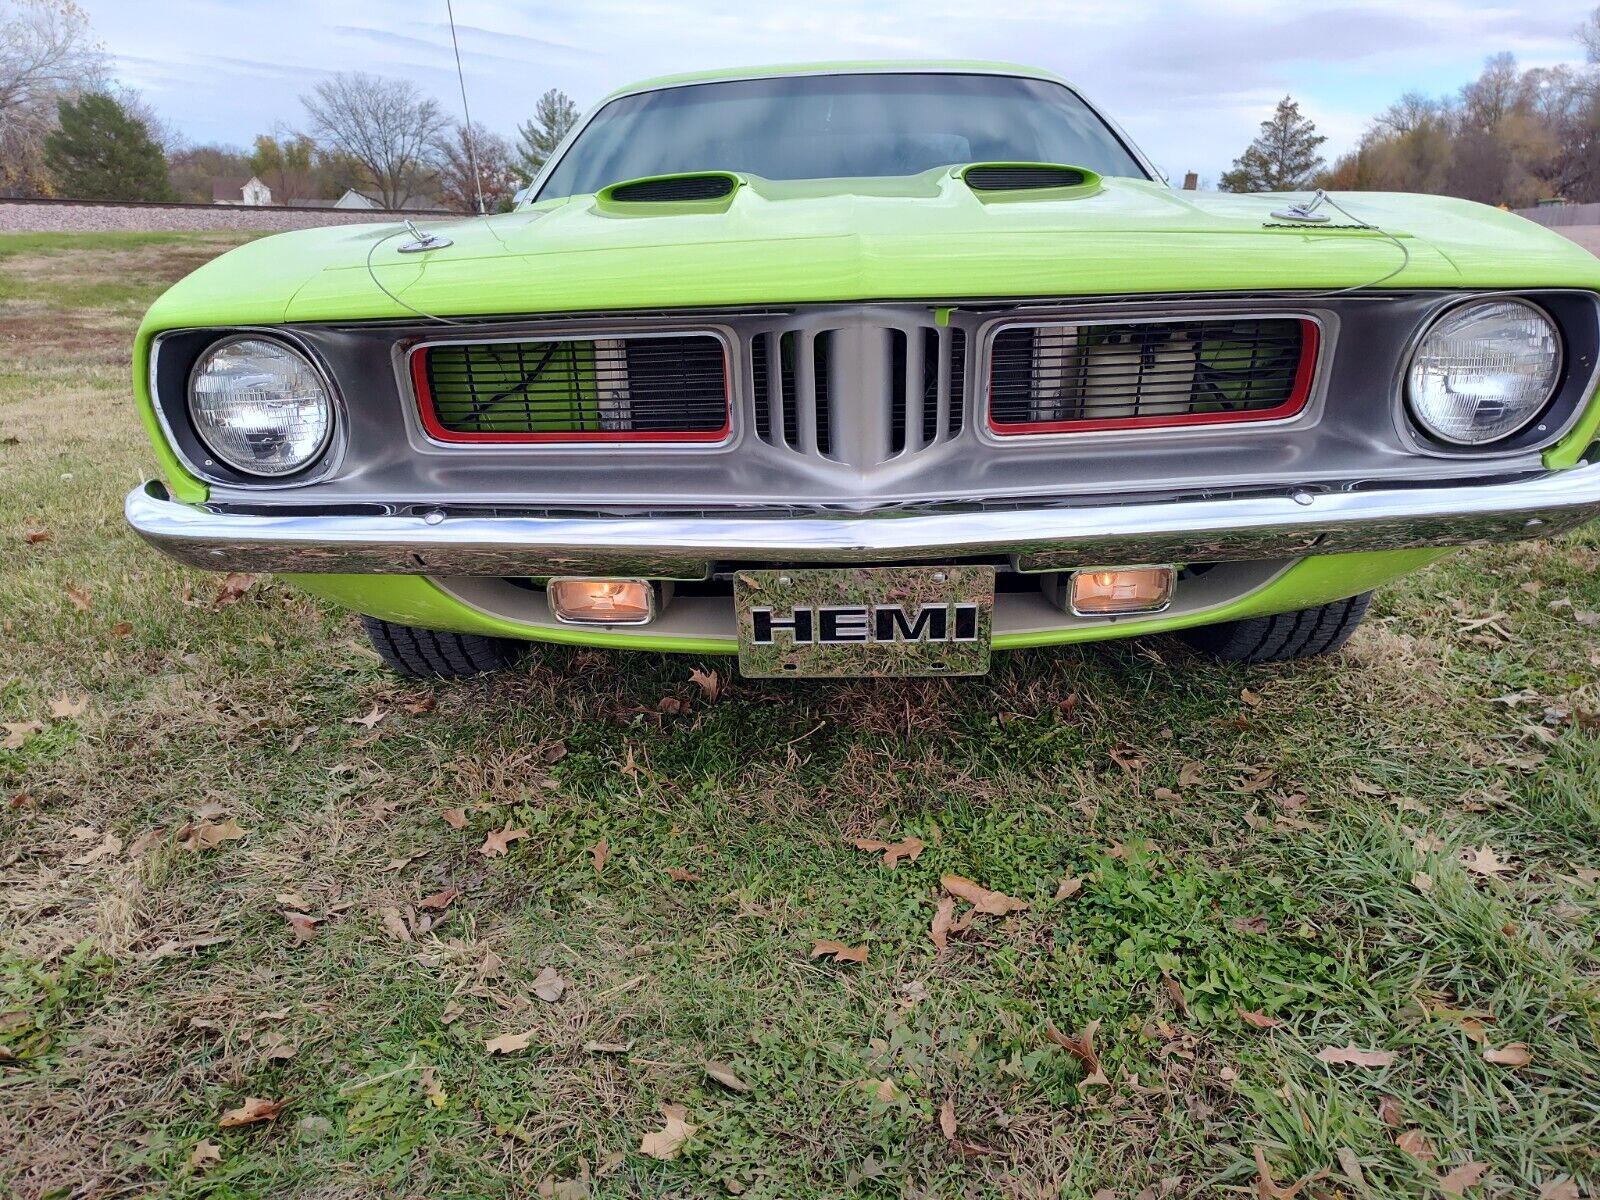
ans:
(385, 125)
(47, 52)
(459, 151)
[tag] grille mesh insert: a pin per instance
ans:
(648, 388)
(690, 187)
(1020, 179)
(1055, 378)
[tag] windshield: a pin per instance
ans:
(838, 126)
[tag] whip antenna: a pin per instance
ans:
(466, 112)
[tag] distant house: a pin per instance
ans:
(355, 199)
(251, 193)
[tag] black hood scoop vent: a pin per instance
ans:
(673, 189)
(1026, 177)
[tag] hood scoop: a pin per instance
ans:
(703, 191)
(999, 180)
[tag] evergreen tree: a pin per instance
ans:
(100, 151)
(553, 115)
(1283, 158)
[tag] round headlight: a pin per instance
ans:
(260, 406)
(1484, 371)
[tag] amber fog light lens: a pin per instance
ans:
(602, 601)
(1116, 591)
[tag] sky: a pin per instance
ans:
(1189, 80)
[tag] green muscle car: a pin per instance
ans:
(869, 369)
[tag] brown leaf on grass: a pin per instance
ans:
(598, 853)
(508, 1043)
(1080, 1047)
(1128, 758)
(1390, 1112)
(908, 848)
(432, 1089)
(208, 835)
(1415, 1143)
(607, 1047)
(553, 753)
(981, 898)
(1258, 1019)
(394, 923)
(369, 720)
(1167, 794)
(1564, 1188)
(23, 802)
(1463, 1177)
(456, 818)
(724, 1074)
(108, 845)
(253, 1111)
(302, 924)
(549, 986)
(947, 1118)
(838, 951)
(79, 597)
(35, 536)
(1069, 887)
(439, 901)
(421, 706)
(943, 919)
(1250, 924)
(122, 629)
(709, 683)
(203, 1157)
(1482, 860)
(1428, 843)
(1422, 881)
(1175, 990)
(1514, 1055)
(666, 1142)
(1355, 1057)
(18, 732)
(1267, 1188)
(679, 875)
(1191, 774)
(1250, 699)
(451, 1012)
(64, 708)
(233, 587)
(498, 842)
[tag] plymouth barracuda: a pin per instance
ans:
(870, 369)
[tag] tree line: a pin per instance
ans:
(1511, 137)
(67, 130)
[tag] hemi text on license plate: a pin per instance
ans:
(834, 625)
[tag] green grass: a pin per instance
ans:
(1288, 894)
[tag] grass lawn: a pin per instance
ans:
(1226, 873)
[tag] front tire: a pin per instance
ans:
(433, 654)
(1304, 633)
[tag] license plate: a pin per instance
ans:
(864, 621)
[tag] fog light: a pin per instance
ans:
(602, 601)
(1117, 591)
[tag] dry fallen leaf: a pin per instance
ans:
(1258, 1019)
(1482, 860)
(1192, 774)
(1514, 1055)
(203, 1157)
(432, 1089)
(369, 720)
(549, 986)
(1250, 698)
(909, 848)
(1250, 924)
(607, 1047)
(823, 947)
(18, 732)
(498, 842)
(508, 1043)
(251, 1112)
(1467, 1175)
(110, 844)
(981, 898)
(303, 925)
(599, 852)
(943, 919)
(1080, 1047)
(439, 901)
(1390, 1112)
(207, 835)
(679, 875)
(1268, 1189)
(394, 923)
(1069, 887)
(1355, 1057)
(1564, 1188)
(947, 1118)
(1422, 881)
(79, 597)
(64, 708)
(35, 536)
(666, 1142)
(1415, 1143)
(234, 585)
(456, 818)
(709, 683)
(724, 1074)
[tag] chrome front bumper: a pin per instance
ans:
(1224, 529)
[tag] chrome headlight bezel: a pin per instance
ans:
(205, 428)
(1499, 438)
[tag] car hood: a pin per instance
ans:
(921, 237)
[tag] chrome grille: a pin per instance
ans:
(1080, 376)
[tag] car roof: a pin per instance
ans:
(863, 67)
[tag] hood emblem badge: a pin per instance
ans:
(421, 241)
